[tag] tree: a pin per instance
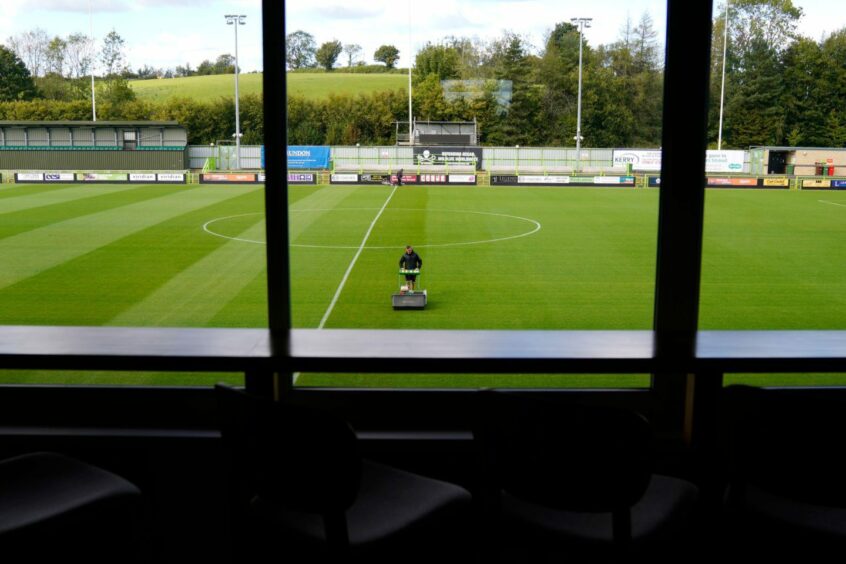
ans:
(15, 80)
(387, 54)
(112, 55)
(353, 51)
(55, 56)
(300, 50)
(31, 48)
(225, 64)
(205, 68)
(78, 50)
(328, 54)
(440, 60)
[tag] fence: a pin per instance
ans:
(500, 159)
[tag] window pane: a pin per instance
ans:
(774, 231)
(107, 222)
(516, 228)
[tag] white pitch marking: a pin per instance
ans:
(832, 203)
(459, 244)
(355, 259)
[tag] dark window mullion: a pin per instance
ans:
(682, 195)
(275, 187)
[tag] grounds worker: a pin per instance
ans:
(410, 261)
(399, 177)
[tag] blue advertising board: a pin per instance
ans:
(307, 156)
(838, 184)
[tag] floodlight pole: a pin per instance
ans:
(723, 85)
(91, 34)
(582, 23)
(236, 20)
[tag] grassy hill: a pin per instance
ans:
(310, 85)
(201, 88)
(320, 85)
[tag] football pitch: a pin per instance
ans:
(493, 258)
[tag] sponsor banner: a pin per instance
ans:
(58, 177)
(445, 155)
(535, 179)
(649, 160)
(262, 176)
(227, 178)
(406, 178)
(307, 156)
(141, 177)
(776, 182)
(432, 178)
(724, 161)
(653, 181)
(839, 184)
(732, 182)
(348, 178)
(301, 178)
(101, 177)
(29, 177)
(816, 184)
(176, 177)
(615, 180)
(462, 179)
(504, 180)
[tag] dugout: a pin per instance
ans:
(801, 161)
(93, 145)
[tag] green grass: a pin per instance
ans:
(320, 85)
(309, 85)
(200, 88)
(138, 255)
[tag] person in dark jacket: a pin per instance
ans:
(399, 177)
(410, 261)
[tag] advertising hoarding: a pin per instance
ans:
(173, 177)
(308, 156)
(649, 160)
(227, 178)
(101, 177)
(301, 178)
(447, 155)
(142, 177)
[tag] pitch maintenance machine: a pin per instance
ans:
(406, 298)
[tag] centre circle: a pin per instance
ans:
(532, 227)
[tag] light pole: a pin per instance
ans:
(236, 20)
(582, 23)
(723, 84)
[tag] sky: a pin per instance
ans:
(167, 33)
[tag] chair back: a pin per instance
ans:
(788, 443)
(297, 457)
(568, 457)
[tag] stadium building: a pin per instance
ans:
(92, 145)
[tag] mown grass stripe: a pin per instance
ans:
(29, 253)
(94, 288)
(24, 220)
(196, 294)
(58, 197)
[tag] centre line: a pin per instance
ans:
(355, 258)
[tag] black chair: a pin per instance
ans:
(574, 480)
(786, 492)
(54, 508)
(308, 494)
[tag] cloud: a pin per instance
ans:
(346, 12)
(77, 6)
